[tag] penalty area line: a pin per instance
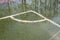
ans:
(26, 21)
(31, 21)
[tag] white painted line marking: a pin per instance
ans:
(31, 21)
(28, 21)
(54, 35)
(14, 15)
(47, 19)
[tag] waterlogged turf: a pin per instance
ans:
(13, 30)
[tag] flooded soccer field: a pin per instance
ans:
(17, 24)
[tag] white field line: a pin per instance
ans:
(28, 21)
(54, 35)
(4, 17)
(46, 19)
(33, 12)
(14, 15)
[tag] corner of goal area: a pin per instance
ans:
(28, 17)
